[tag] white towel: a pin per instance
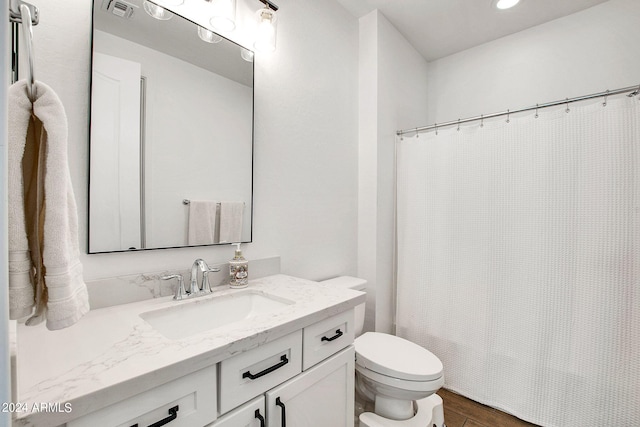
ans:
(231, 221)
(60, 292)
(202, 222)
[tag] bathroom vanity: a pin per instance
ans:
(280, 349)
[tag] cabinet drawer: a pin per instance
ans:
(327, 337)
(249, 374)
(193, 394)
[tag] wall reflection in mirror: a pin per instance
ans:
(171, 120)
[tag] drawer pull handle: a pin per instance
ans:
(283, 361)
(284, 412)
(259, 417)
(173, 414)
(338, 334)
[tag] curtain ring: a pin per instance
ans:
(604, 104)
(417, 134)
(508, 121)
(436, 125)
(458, 125)
(536, 116)
(567, 101)
(481, 120)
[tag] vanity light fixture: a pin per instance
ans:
(506, 4)
(172, 2)
(156, 11)
(224, 15)
(267, 27)
(208, 35)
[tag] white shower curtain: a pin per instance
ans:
(519, 261)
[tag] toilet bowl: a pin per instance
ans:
(396, 372)
(399, 376)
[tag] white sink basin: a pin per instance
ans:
(202, 314)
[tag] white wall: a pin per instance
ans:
(587, 52)
(5, 79)
(393, 95)
(305, 166)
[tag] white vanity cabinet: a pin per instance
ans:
(297, 358)
(303, 379)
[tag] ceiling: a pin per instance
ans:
(439, 28)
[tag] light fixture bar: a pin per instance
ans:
(269, 4)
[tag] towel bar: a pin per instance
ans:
(188, 202)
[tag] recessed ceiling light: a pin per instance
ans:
(506, 4)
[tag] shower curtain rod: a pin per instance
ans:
(635, 91)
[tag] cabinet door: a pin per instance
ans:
(251, 414)
(320, 397)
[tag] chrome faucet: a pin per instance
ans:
(194, 290)
(205, 286)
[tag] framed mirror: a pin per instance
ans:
(171, 139)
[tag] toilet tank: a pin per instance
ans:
(357, 284)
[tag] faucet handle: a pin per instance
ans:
(206, 286)
(180, 291)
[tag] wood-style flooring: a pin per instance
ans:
(462, 412)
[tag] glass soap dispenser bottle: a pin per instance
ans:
(238, 270)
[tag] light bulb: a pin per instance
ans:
(224, 15)
(266, 31)
(156, 11)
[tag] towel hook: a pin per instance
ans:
(27, 32)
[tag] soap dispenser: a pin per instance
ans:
(238, 270)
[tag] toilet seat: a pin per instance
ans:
(402, 385)
(396, 357)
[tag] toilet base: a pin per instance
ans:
(429, 412)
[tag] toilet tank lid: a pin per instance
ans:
(396, 357)
(347, 282)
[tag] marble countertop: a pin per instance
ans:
(112, 354)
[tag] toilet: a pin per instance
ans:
(399, 376)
